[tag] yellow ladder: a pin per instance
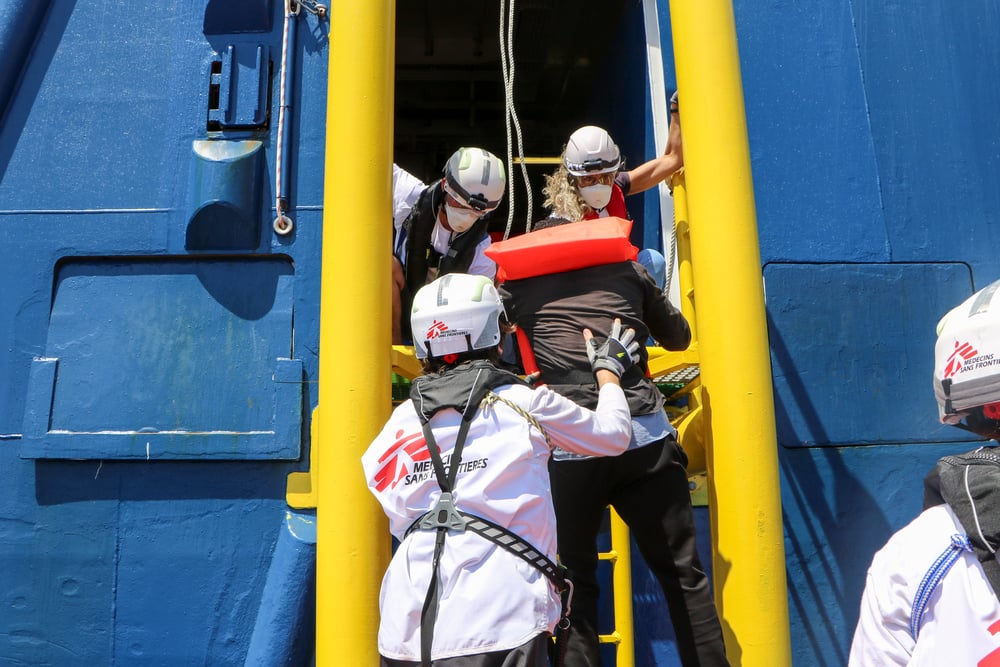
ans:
(673, 368)
(620, 557)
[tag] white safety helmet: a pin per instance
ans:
(967, 358)
(456, 313)
(476, 178)
(589, 151)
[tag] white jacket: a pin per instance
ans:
(961, 624)
(490, 600)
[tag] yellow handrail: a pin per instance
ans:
(685, 272)
(738, 403)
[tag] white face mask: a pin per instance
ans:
(596, 196)
(460, 219)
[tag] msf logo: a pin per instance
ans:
(963, 352)
(397, 461)
(993, 659)
(436, 329)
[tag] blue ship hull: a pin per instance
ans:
(160, 339)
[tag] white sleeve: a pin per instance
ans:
(481, 264)
(406, 189)
(877, 637)
(882, 637)
(605, 431)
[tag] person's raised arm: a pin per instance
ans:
(649, 174)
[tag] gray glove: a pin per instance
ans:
(618, 353)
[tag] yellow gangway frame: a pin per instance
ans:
(736, 393)
(353, 544)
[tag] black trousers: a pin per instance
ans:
(648, 487)
(533, 653)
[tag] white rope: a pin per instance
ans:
(510, 161)
(510, 116)
(975, 513)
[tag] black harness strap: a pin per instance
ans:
(443, 517)
(504, 539)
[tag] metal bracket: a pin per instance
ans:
(444, 515)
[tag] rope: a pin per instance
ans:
(671, 253)
(975, 513)
(492, 398)
(939, 568)
(510, 116)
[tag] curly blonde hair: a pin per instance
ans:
(562, 197)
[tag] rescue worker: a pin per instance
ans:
(442, 228)
(469, 449)
(648, 484)
(930, 597)
(590, 183)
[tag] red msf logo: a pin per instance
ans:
(397, 461)
(963, 352)
(993, 659)
(436, 329)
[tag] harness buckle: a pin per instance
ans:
(444, 515)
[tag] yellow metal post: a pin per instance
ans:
(354, 388)
(735, 368)
(682, 231)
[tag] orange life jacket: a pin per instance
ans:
(577, 245)
(563, 248)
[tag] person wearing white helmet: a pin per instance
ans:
(460, 471)
(442, 228)
(930, 597)
(590, 182)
